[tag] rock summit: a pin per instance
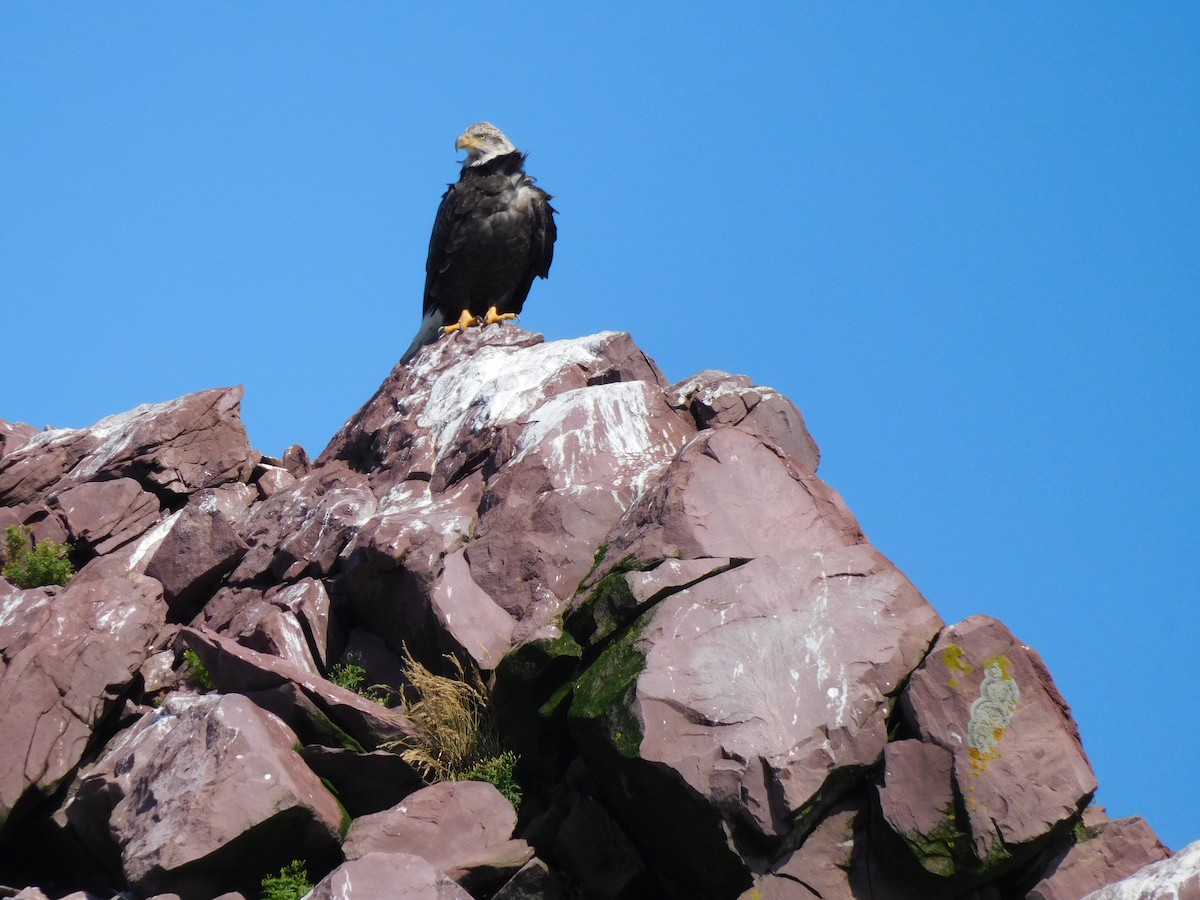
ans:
(711, 683)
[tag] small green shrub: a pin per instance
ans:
(497, 770)
(290, 884)
(29, 565)
(350, 674)
(196, 672)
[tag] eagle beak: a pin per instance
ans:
(464, 143)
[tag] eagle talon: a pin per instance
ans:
(493, 317)
(465, 321)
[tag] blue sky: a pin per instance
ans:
(964, 239)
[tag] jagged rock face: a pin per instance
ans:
(171, 770)
(68, 656)
(717, 686)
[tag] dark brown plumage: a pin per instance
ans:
(493, 234)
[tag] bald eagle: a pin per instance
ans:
(494, 232)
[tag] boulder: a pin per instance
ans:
(238, 669)
(444, 414)
(717, 400)
(68, 656)
(14, 434)
(728, 494)
(399, 555)
(302, 529)
(917, 803)
(1175, 878)
(753, 699)
(716, 686)
(463, 828)
(208, 796)
(1100, 853)
(397, 876)
(1018, 762)
(172, 449)
(291, 621)
(821, 867)
(103, 515)
(199, 547)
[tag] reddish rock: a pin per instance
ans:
(291, 621)
(693, 611)
(1103, 852)
(210, 797)
(396, 876)
(819, 868)
(761, 682)
(916, 800)
(173, 448)
(1175, 878)
(199, 547)
(14, 434)
(158, 672)
(571, 429)
(272, 479)
(302, 529)
(576, 465)
(68, 654)
(440, 416)
(295, 460)
(1018, 762)
(727, 494)
(235, 668)
(396, 558)
(620, 596)
(717, 400)
(463, 828)
(234, 501)
(476, 622)
(103, 515)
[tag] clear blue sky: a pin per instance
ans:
(964, 239)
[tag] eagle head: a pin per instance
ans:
(483, 142)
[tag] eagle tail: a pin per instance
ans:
(431, 324)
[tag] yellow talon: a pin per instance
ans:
(493, 317)
(465, 321)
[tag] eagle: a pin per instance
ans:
(493, 233)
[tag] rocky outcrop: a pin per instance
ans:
(715, 685)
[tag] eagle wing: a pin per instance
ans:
(457, 203)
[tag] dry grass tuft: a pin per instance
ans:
(451, 721)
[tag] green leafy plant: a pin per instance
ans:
(454, 733)
(350, 674)
(498, 770)
(30, 565)
(196, 672)
(290, 884)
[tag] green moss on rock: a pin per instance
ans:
(944, 850)
(604, 693)
(608, 606)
